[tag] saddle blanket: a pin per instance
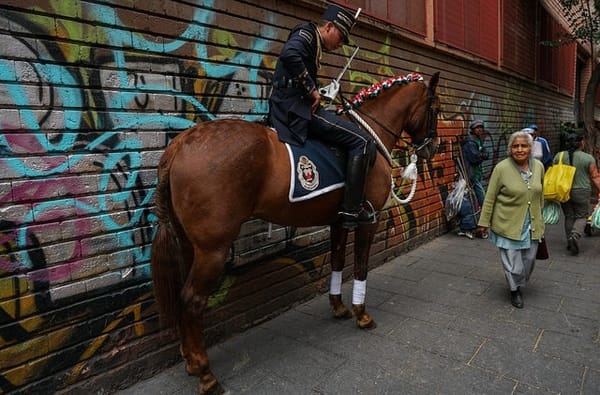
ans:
(315, 169)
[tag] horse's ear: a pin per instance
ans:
(435, 78)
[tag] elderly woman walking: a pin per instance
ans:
(512, 210)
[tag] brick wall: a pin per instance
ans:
(90, 94)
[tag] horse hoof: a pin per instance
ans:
(368, 323)
(340, 311)
(363, 319)
(213, 388)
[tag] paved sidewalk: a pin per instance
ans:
(445, 326)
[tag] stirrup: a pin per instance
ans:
(364, 215)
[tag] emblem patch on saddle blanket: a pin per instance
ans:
(315, 169)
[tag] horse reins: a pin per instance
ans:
(410, 171)
(431, 124)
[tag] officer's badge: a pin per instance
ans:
(307, 173)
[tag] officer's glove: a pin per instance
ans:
(330, 91)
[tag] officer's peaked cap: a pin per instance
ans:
(342, 18)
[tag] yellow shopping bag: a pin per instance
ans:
(558, 181)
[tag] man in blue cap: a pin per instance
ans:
(296, 113)
(473, 153)
(546, 154)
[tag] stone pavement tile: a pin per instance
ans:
(447, 298)
(387, 322)
(339, 337)
(486, 271)
(581, 263)
(554, 275)
(535, 295)
(298, 325)
(267, 385)
(418, 309)
(393, 272)
(366, 347)
(448, 376)
(355, 377)
(443, 296)
(389, 283)
(455, 282)
(173, 380)
(235, 370)
(499, 330)
(375, 296)
(447, 342)
(569, 290)
(532, 368)
(476, 305)
(496, 295)
(591, 382)
(455, 267)
(281, 357)
(581, 308)
(460, 378)
(318, 306)
(554, 321)
(469, 259)
(576, 349)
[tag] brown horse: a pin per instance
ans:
(216, 175)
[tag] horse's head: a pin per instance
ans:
(411, 107)
(422, 124)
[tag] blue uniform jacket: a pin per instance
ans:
(294, 79)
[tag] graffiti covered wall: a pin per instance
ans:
(92, 92)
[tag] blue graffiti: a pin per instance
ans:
(118, 150)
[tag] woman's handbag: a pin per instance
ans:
(558, 181)
(542, 251)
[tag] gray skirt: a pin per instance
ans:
(518, 264)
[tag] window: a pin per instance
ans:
(470, 25)
(519, 40)
(407, 14)
(555, 65)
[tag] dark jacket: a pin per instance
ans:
(473, 154)
(294, 79)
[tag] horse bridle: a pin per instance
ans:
(431, 125)
(410, 171)
(431, 122)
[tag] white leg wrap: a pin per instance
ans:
(359, 290)
(335, 287)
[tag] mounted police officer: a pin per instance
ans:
(296, 112)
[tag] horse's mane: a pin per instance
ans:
(375, 89)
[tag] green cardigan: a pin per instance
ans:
(508, 198)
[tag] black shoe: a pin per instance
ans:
(351, 220)
(573, 245)
(516, 299)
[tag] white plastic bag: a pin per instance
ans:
(455, 198)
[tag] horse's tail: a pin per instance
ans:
(169, 269)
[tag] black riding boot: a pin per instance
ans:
(355, 210)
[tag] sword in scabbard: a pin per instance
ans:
(330, 91)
